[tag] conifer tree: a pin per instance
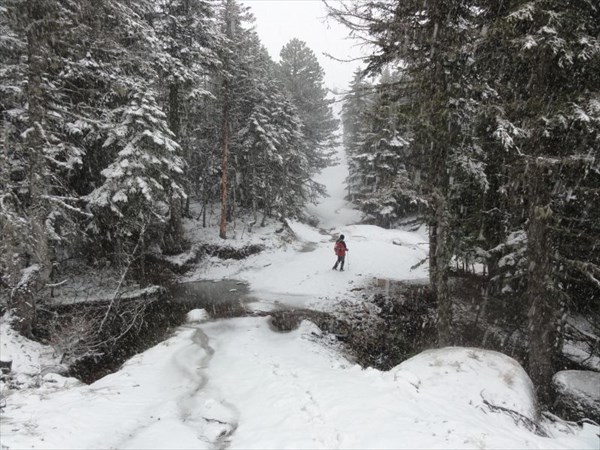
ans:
(302, 77)
(34, 152)
(145, 180)
(189, 40)
(79, 60)
(548, 95)
(425, 38)
(233, 16)
(381, 166)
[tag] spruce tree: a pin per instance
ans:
(189, 39)
(143, 183)
(551, 58)
(427, 39)
(302, 76)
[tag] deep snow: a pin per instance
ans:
(239, 383)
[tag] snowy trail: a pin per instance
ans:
(237, 383)
(299, 278)
(334, 211)
(292, 392)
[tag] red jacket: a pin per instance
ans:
(340, 248)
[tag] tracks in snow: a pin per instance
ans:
(199, 407)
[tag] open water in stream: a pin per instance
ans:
(223, 298)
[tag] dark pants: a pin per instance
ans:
(340, 260)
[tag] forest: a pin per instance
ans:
(479, 118)
(115, 114)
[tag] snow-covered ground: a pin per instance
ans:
(239, 383)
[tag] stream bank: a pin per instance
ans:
(149, 321)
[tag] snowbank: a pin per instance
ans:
(155, 401)
(237, 382)
(290, 391)
(30, 360)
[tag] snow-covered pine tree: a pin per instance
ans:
(132, 208)
(94, 52)
(233, 18)
(188, 39)
(506, 111)
(381, 166)
(269, 168)
(13, 165)
(257, 154)
(39, 155)
(355, 123)
(354, 109)
(277, 175)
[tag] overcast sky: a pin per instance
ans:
(278, 21)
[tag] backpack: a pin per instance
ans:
(339, 248)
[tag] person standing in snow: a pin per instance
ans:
(340, 250)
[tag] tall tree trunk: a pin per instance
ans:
(544, 306)
(432, 223)
(224, 167)
(174, 232)
(174, 116)
(229, 15)
(37, 273)
(440, 139)
(442, 259)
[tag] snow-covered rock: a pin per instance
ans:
(577, 394)
(197, 315)
(472, 378)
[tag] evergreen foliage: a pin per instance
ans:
(377, 142)
(497, 102)
(143, 182)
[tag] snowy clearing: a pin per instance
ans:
(238, 383)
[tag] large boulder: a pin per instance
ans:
(472, 378)
(577, 394)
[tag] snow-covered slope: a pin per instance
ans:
(238, 383)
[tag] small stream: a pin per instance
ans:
(200, 294)
(221, 299)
